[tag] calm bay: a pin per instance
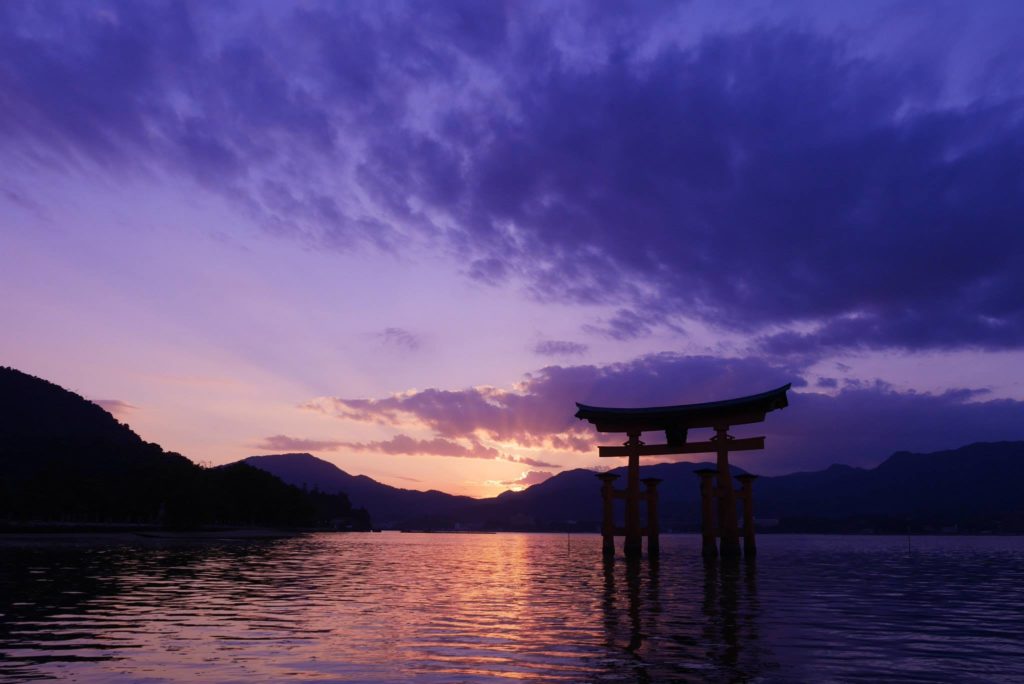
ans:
(488, 607)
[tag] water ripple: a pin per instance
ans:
(443, 608)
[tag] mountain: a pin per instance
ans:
(973, 488)
(388, 506)
(64, 459)
(976, 487)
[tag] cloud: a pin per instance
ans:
(401, 338)
(536, 463)
(286, 443)
(539, 411)
(402, 445)
(115, 407)
(438, 446)
(624, 325)
(768, 180)
(559, 348)
(859, 424)
(528, 479)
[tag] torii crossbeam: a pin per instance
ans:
(675, 422)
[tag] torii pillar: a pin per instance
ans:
(747, 495)
(607, 521)
(633, 546)
(651, 495)
(729, 545)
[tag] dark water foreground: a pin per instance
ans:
(449, 608)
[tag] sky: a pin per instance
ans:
(408, 236)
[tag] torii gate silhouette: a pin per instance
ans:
(675, 422)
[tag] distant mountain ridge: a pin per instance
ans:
(976, 487)
(387, 505)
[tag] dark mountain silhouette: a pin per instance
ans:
(65, 459)
(973, 488)
(388, 506)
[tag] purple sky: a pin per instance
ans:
(408, 236)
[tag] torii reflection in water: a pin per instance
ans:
(689, 621)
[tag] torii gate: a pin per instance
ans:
(675, 421)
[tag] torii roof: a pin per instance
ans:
(737, 411)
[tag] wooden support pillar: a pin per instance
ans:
(653, 543)
(709, 549)
(633, 546)
(608, 513)
(728, 529)
(747, 494)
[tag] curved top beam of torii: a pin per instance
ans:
(675, 420)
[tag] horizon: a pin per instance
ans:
(643, 466)
(408, 239)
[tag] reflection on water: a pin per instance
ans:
(387, 607)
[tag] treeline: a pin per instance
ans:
(100, 484)
(64, 459)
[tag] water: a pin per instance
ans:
(451, 608)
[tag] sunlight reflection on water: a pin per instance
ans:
(441, 608)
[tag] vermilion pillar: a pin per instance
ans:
(633, 546)
(653, 543)
(707, 512)
(607, 519)
(747, 494)
(727, 524)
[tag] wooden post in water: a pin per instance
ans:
(728, 528)
(607, 520)
(747, 494)
(633, 546)
(709, 549)
(653, 543)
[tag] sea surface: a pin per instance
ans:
(394, 607)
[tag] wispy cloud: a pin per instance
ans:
(115, 407)
(438, 446)
(527, 479)
(534, 462)
(560, 348)
(403, 445)
(400, 338)
(286, 443)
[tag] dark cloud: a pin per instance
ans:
(560, 348)
(859, 425)
(624, 325)
(753, 179)
(863, 425)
